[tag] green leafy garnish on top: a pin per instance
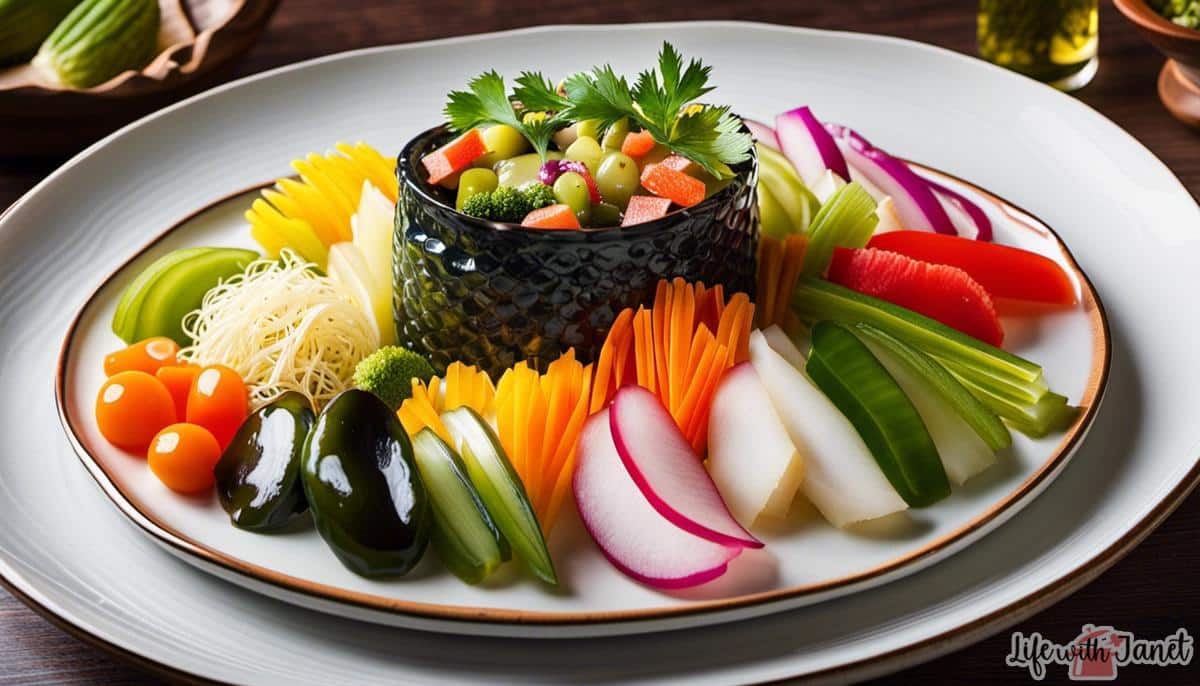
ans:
(662, 101)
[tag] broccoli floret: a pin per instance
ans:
(509, 204)
(388, 373)
(539, 195)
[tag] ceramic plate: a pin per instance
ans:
(66, 545)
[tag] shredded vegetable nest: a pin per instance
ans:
(283, 327)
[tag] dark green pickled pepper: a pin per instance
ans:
(258, 476)
(363, 488)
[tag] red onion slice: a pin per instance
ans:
(915, 202)
(762, 133)
(983, 225)
(809, 147)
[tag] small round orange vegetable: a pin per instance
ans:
(131, 407)
(182, 456)
(144, 356)
(218, 401)
(178, 381)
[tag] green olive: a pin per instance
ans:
(614, 137)
(502, 142)
(474, 182)
(366, 496)
(618, 178)
(258, 477)
(605, 214)
(515, 172)
(587, 150)
(571, 189)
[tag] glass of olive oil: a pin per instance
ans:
(1053, 41)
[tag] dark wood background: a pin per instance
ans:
(1150, 592)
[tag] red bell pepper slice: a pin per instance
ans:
(1004, 271)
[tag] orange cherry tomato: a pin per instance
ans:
(144, 356)
(182, 456)
(131, 407)
(218, 401)
(178, 381)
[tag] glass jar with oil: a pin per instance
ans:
(1053, 41)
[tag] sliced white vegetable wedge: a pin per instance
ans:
(889, 219)
(826, 185)
(787, 348)
(963, 452)
(751, 458)
(841, 478)
(373, 226)
(347, 264)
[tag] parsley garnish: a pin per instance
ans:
(661, 101)
(487, 102)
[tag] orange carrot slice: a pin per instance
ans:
(637, 144)
(558, 216)
(454, 156)
(645, 208)
(678, 187)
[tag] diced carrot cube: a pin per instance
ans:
(637, 143)
(558, 216)
(454, 156)
(673, 184)
(645, 208)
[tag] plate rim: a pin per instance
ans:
(192, 550)
(1088, 568)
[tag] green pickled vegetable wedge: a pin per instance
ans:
(984, 422)
(24, 24)
(1037, 420)
(776, 174)
(124, 321)
(847, 219)
(988, 366)
(501, 489)
(861, 388)
(181, 289)
(464, 535)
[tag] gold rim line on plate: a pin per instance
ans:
(142, 516)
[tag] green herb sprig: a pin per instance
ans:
(487, 102)
(662, 102)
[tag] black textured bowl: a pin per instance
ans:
(493, 294)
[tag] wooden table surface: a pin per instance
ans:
(1151, 592)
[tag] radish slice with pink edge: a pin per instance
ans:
(671, 476)
(809, 147)
(630, 532)
(916, 205)
(762, 133)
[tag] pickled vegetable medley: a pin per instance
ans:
(592, 152)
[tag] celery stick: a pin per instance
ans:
(847, 219)
(777, 174)
(978, 416)
(848, 373)
(1037, 420)
(816, 299)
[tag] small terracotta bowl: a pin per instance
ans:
(1179, 80)
(199, 41)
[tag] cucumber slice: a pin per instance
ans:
(501, 489)
(124, 321)
(181, 289)
(846, 371)
(982, 420)
(464, 534)
(964, 454)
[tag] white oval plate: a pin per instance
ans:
(64, 545)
